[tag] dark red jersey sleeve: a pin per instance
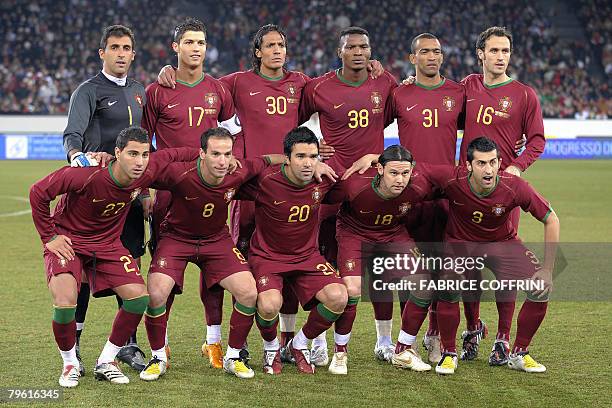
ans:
(307, 103)
(439, 175)
(533, 128)
(151, 113)
(227, 103)
(249, 190)
(531, 201)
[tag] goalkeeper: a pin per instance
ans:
(99, 109)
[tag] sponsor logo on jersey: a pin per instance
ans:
(498, 210)
(135, 193)
(408, 109)
(170, 106)
(112, 103)
(97, 200)
(292, 92)
(254, 93)
(449, 103)
(138, 99)
(279, 202)
(211, 99)
(62, 262)
(404, 207)
(376, 99)
(505, 104)
(350, 264)
(316, 195)
(229, 194)
(337, 106)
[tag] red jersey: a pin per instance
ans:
(485, 218)
(427, 119)
(267, 108)
(503, 113)
(179, 116)
(352, 115)
(199, 210)
(365, 213)
(286, 215)
(93, 210)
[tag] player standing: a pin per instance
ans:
(178, 116)
(99, 109)
(504, 110)
(481, 201)
(83, 234)
(353, 112)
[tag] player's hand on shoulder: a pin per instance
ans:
(513, 170)
(80, 159)
(375, 68)
(326, 151)
(102, 158)
(409, 81)
(233, 165)
(361, 165)
(61, 246)
(518, 146)
(167, 77)
(322, 169)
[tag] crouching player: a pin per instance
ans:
(375, 205)
(481, 201)
(195, 231)
(83, 234)
(284, 250)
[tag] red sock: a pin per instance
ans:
(413, 318)
(320, 319)
(65, 334)
(156, 330)
(383, 310)
(240, 325)
(213, 303)
(399, 347)
(169, 303)
(344, 324)
(267, 328)
(340, 348)
(529, 320)
(471, 310)
(123, 326)
(432, 329)
(448, 322)
(285, 337)
(505, 311)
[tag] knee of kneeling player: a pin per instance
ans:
(246, 295)
(136, 305)
(335, 297)
(268, 307)
(157, 297)
(353, 289)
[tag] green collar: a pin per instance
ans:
(192, 84)
(278, 78)
(429, 88)
(110, 172)
(289, 180)
(484, 194)
(341, 78)
(202, 176)
(497, 85)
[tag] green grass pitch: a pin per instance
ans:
(573, 342)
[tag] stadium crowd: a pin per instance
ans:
(50, 46)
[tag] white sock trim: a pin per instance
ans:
(406, 338)
(342, 339)
(287, 322)
(213, 333)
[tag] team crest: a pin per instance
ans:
(263, 281)
(291, 89)
(350, 264)
(138, 99)
(162, 263)
(211, 99)
(505, 104)
(449, 103)
(62, 262)
(229, 194)
(316, 195)
(404, 207)
(135, 194)
(376, 99)
(498, 210)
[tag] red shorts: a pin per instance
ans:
(242, 216)
(217, 258)
(431, 222)
(105, 269)
(307, 277)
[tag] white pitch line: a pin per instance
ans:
(16, 213)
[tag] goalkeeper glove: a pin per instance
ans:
(80, 159)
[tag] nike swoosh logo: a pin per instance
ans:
(191, 198)
(173, 105)
(112, 103)
(457, 203)
(279, 202)
(254, 93)
(337, 106)
(411, 107)
(470, 100)
(97, 200)
(365, 212)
